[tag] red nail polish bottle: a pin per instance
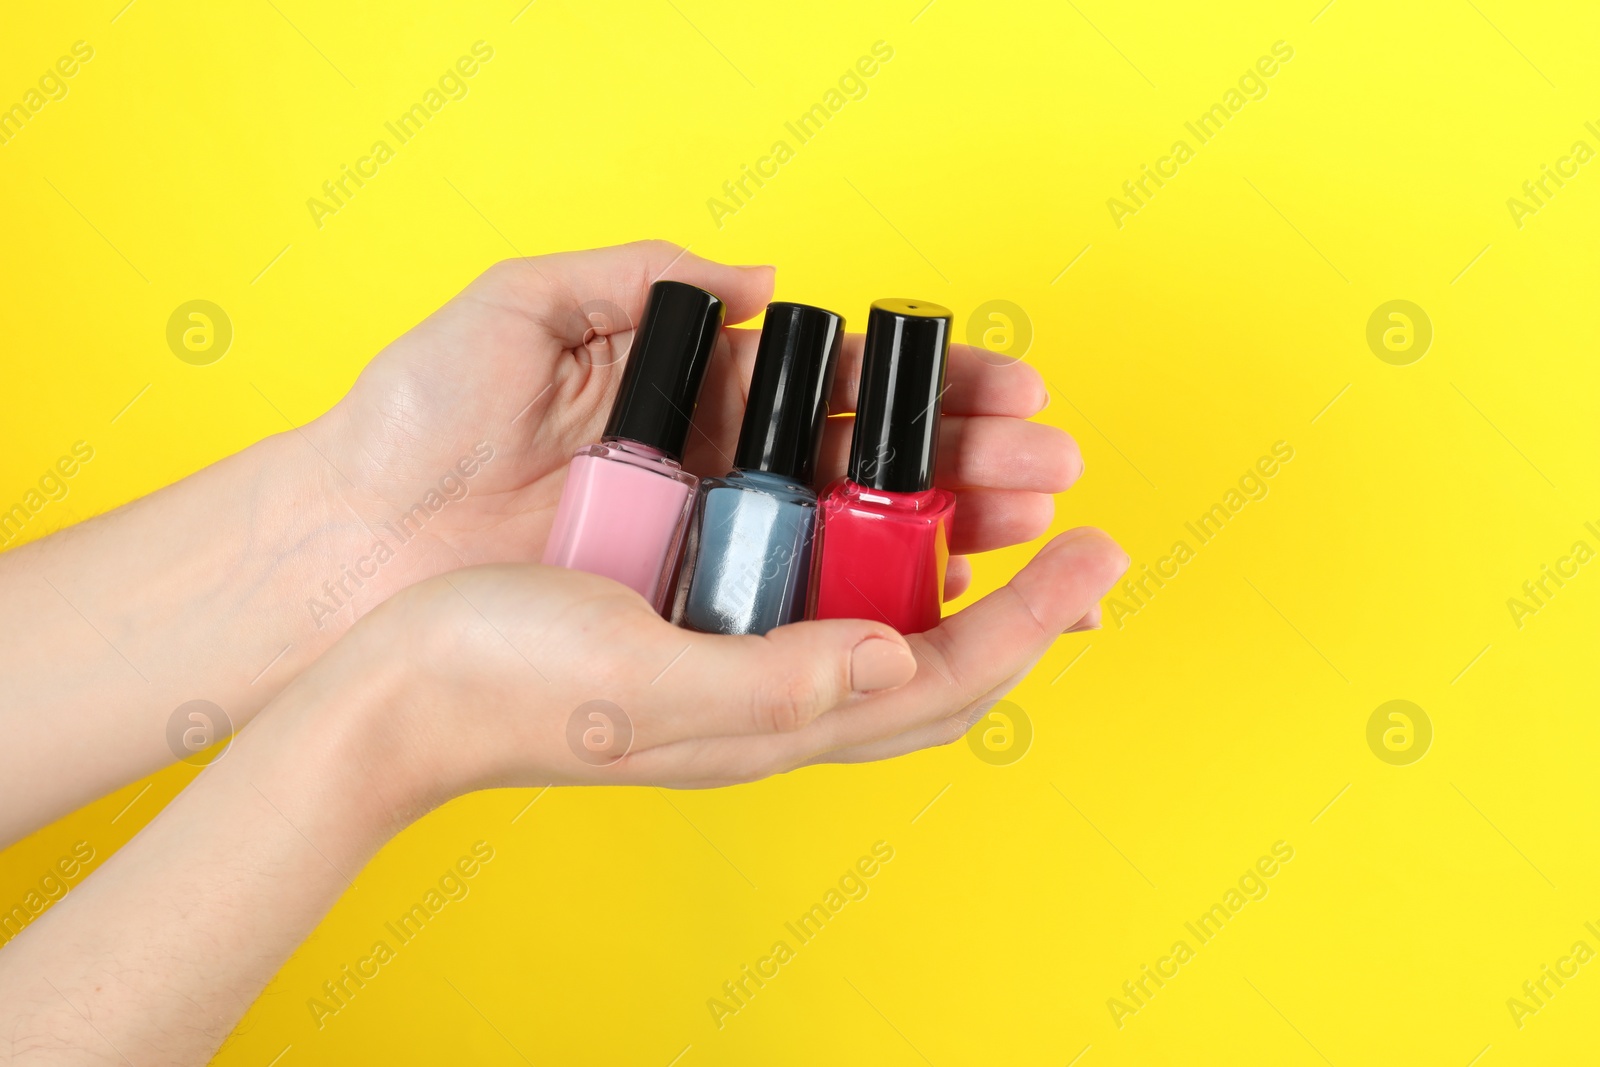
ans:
(884, 539)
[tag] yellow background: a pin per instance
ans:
(1224, 316)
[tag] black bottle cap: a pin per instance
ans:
(902, 382)
(788, 405)
(661, 383)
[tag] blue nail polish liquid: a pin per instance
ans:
(753, 568)
(750, 560)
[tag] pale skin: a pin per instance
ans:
(456, 665)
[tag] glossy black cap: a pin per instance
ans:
(788, 406)
(902, 382)
(661, 383)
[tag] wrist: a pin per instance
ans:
(338, 739)
(326, 552)
(309, 530)
(199, 589)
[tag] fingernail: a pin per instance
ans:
(1080, 533)
(755, 266)
(878, 663)
(1093, 542)
(1090, 621)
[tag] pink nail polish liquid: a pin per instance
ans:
(623, 514)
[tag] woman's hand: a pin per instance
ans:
(518, 675)
(493, 676)
(524, 364)
(449, 451)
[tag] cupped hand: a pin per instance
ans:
(522, 367)
(519, 675)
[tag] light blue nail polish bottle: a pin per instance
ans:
(754, 528)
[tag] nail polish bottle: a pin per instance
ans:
(627, 502)
(753, 529)
(884, 536)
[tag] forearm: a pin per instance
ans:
(197, 591)
(156, 956)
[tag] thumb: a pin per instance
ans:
(778, 683)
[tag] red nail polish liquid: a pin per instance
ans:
(884, 540)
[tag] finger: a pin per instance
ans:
(993, 640)
(779, 683)
(957, 577)
(972, 385)
(987, 519)
(984, 647)
(1090, 621)
(622, 275)
(984, 451)
(943, 732)
(948, 730)
(730, 753)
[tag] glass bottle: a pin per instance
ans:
(627, 502)
(884, 538)
(884, 555)
(754, 528)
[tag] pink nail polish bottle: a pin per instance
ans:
(627, 502)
